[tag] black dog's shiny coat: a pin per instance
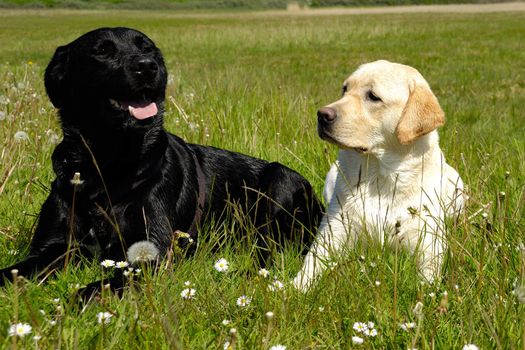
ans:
(137, 181)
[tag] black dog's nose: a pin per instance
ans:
(145, 67)
(326, 115)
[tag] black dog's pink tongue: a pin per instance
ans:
(142, 111)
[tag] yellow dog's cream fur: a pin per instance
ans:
(390, 180)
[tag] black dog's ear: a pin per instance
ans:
(56, 77)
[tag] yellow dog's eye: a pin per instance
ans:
(372, 97)
(344, 90)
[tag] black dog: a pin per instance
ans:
(136, 181)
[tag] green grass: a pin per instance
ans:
(253, 83)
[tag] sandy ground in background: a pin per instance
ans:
(457, 8)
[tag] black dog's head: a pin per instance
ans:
(108, 78)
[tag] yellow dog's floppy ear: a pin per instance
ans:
(421, 115)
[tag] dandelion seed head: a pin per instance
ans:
(519, 292)
(19, 330)
(21, 136)
(418, 310)
(142, 251)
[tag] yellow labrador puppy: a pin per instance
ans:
(390, 180)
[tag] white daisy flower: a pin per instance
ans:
(360, 327)
(332, 265)
(142, 251)
(221, 265)
(187, 284)
(407, 326)
(188, 293)
(244, 301)
(37, 337)
(104, 317)
(269, 315)
(226, 322)
(264, 273)
(278, 347)
(470, 347)
(121, 264)
(19, 330)
(275, 286)
(370, 332)
(357, 340)
(107, 263)
(370, 325)
(227, 346)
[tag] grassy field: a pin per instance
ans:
(253, 84)
(216, 4)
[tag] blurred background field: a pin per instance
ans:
(220, 4)
(252, 83)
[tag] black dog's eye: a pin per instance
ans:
(372, 97)
(344, 90)
(143, 45)
(105, 49)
